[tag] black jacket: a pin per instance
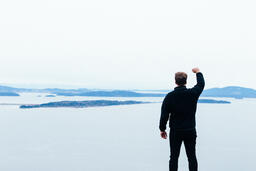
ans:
(179, 106)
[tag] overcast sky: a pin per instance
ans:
(126, 44)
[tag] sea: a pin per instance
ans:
(120, 138)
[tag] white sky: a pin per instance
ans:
(127, 44)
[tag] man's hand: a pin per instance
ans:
(163, 134)
(195, 70)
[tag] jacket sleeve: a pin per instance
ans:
(198, 88)
(165, 111)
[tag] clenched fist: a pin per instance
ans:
(195, 70)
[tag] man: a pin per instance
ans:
(179, 107)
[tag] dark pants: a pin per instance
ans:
(176, 138)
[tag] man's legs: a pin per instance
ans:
(190, 146)
(175, 144)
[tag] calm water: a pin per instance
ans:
(120, 137)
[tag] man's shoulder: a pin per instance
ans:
(170, 93)
(186, 91)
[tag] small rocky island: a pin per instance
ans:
(81, 104)
(213, 101)
(50, 95)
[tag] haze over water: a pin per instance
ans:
(120, 137)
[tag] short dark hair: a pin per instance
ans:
(181, 78)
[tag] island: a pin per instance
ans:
(213, 101)
(230, 91)
(50, 95)
(9, 94)
(82, 104)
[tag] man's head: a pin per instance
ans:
(181, 78)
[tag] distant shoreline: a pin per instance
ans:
(225, 92)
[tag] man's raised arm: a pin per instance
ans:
(198, 88)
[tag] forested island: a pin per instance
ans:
(96, 103)
(82, 104)
(231, 91)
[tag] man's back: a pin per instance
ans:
(179, 107)
(181, 104)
